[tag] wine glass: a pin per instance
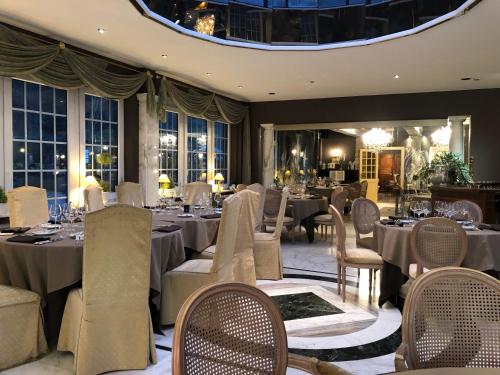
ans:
(426, 207)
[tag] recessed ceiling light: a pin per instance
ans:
(100, 30)
(272, 93)
(177, 22)
(164, 56)
(208, 74)
(312, 82)
(240, 86)
(396, 76)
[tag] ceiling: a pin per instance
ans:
(433, 60)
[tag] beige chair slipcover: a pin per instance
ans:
(364, 215)
(130, 193)
(178, 284)
(240, 187)
(92, 196)
(28, 206)
(267, 248)
(21, 327)
(194, 191)
(106, 324)
(261, 190)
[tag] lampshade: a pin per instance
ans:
(91, 181)
(219, 177)
(164, 179)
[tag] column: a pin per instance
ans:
(268, 155)
(149, 138)
(457, 134)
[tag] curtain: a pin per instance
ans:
(211, 107)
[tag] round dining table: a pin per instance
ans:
(453, 371)
(304, 208)
(52, 269)
(392, 242)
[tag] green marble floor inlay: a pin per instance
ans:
(304, 305)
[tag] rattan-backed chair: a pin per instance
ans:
(338, 199)
(233, 328)
(364, 215)
(354, 258)
(271, 210)
(474, 212)
(436, 242)
(451, 318)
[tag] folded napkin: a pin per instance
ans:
(495, 227)
(28, 239)
(387, 222)
(398, 217)
(210, 216)
(168, 228)
(316, 196)
(15, 230)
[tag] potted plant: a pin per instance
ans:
(105, 159)
(447, 167)
(4, 209)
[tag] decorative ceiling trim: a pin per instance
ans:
(146, 12)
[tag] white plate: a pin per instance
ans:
(44, 232)
(50, 226)
(469, 227)
(7, 234)
(185, 215)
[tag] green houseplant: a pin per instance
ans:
(457, 172)
(3, 196)
(104, 159)
(4, 211)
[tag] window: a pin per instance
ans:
(101, 140)
(197, 133)
(221, 157)
(169, 150)
(39, 139)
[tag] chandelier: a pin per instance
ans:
(441, 137)
(376, 139)
(205, 24)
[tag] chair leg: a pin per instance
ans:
(333, 234)
(359, 272)
(370, 286)
(344, 282)
(339, 278)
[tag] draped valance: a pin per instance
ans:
(25, 56)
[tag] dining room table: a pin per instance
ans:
(53, 269)
(303, 209)
(392, 242)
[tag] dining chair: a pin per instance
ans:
(364, 188)
(130, 193)
(179, 283)
(259, 216)
(267, 247)
(233, 328)
(195, 190)
(474, 211)
(92, 197)
(436, 242)
(354, 258)
(364, 215)
(106, 324)
(21, 327)
(271, 209)
(28, 206)
(339, 198)
(240, 187)
(451, 318)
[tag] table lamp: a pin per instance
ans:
(91, 181)
(165, 181)
(219, 178)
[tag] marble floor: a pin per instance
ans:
(356, 335)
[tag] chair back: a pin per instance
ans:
(243, 261)
(272, 203)
(92, 196)
(354, 191)
(226, 238)
(195, 190)
(281, 214)
(438, 242)
(364, 215)
(130, 193)
(364, 188)
(451, 318)
(259, 215)
(340, 231)
(474, 211)
(28, 206)
(229, 328)
(240, 187)
(339, 198)
(115, 283)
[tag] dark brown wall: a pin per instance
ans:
(331, 139)
(482, 105)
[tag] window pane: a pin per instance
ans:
(32, 96)
(105, 110)
(88, 106)
(97, 132)
(18, 155)
(88, 131)
(61, 129)
(34, 179)
(61, 184)
(61, 159)
(168, 147)
(105, 133)
(114, 134)
(96, 108)
(17, 94)
(47, 99)
(61, 102)
(33, 155)
(88, 158)
(48, 128)
(48, 156)
(114, 111)
(19, 179)
(33, 126)
(49, 184)
(18, 124)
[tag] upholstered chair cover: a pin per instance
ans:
(338, 199)
(233, 328)
(437, 242)
(267, 248)
(28, 206)
(21, 327)
(364, 215)
(92, 196)
(240, 187)
(194, 191)
(271, 210)
(355, 258)
(451, 318)
(475, 211)
(106, 324)
(261, 190)
(178, 284)
(130, 193)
